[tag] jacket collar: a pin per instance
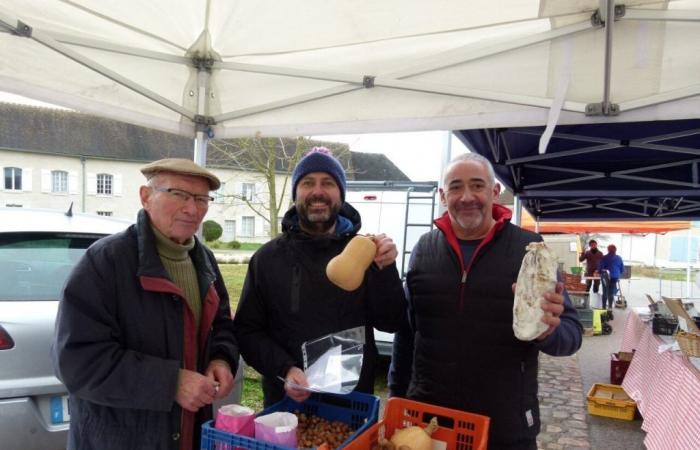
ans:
(500, 213)
(348, 224)
(150, 264)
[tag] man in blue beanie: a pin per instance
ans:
(287, 298)
(320, 160)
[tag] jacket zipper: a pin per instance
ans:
(462, 284)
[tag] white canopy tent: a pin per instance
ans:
(282, 68)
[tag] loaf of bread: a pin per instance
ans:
(538, 274)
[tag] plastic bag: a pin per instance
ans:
(333, 363)
(278, 428)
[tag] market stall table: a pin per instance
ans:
(666, 387)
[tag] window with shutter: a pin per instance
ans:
(219, 196)
(13, 178)
(248, 191)
(104, 183)
(59, 181)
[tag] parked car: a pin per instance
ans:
(38, 249)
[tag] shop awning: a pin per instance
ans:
(627, 227)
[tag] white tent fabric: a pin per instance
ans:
(240, 67)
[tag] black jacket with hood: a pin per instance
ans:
(287, 299)
(123, 331)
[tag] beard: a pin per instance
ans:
(317, 220)
(473, 221)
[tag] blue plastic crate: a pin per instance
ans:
(356, 409)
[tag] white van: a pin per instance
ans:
(404, 211)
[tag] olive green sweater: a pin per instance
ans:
(177, 262)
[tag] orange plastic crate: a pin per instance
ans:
(460, 430)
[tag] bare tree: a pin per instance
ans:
(268, 158)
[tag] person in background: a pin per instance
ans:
(287, 299)
(592, 256)
(144, 338)
(457, 348)
(611, 267)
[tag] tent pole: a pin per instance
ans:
(687, 263)
(200, 148)
(517, 212)
(446, 158)
(609, 19)
(201, 136)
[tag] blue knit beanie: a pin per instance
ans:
(319, 159)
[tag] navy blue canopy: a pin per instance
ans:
(610, 171)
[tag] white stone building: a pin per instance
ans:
(54, 158)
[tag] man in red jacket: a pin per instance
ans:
(457, 348)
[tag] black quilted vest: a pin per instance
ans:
(466, 355)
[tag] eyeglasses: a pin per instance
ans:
(181, 196)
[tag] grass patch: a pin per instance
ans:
(250, 246)
(252, 389)
(382, 369)
(218, 245)
(234, 276)
(662, 273)
(234, 245)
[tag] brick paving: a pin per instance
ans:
(566, 424)
(563, 412)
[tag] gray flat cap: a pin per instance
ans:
(180, 166)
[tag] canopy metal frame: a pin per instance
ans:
(398, 79)
(647, 172)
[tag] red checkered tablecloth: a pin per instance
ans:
(634, 327)
(666, 387)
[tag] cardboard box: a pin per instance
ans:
(619, 363)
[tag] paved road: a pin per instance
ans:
(564, 383)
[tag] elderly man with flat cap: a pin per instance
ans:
(144, 338)
(287, 299)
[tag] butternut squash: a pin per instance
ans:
(347, 270)
(415, 437)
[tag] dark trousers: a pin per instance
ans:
(609, 289)
(596, 285)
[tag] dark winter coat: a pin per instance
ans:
(592, 259)
(123, 331)
(287, 299)
(466, 354)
